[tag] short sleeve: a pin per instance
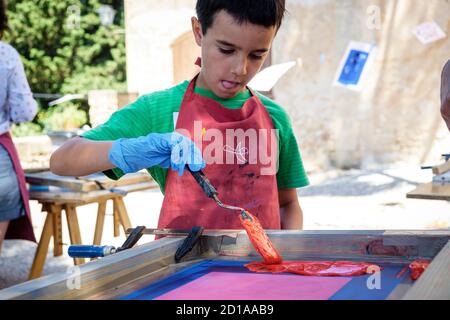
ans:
(129, 122)
(291, 173)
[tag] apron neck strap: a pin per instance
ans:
(198, 62)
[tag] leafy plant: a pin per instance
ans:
(26, 129)
(64, 117)
(65, 49)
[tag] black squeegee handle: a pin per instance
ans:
(203, 182)
(188, 243)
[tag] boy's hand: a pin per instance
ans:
(156, 149)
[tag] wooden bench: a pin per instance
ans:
(56, 200)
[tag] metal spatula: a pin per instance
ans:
(212, 193)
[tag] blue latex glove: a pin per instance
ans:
(156, 149)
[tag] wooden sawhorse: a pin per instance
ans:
(53, 227)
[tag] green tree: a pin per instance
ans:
(65, 48)
(63, 51)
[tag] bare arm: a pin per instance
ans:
(291, 213)
(445, 94)
(80, 157)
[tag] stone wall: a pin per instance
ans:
(393, 119)
(103, 103)
(34, 151)
(151, 28)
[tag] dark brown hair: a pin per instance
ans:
(266, 13)
(3, 18)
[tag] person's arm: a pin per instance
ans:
(445, 94)
(20, 101)
(290, 210)
(80, 157)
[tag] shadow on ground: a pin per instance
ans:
(357, 183)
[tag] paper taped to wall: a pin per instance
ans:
(354, 65)
(429, 32)
(267, 78)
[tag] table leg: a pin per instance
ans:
(74, 229)
(42, 248)
(100, 223)
(116, 219)
(57, 230)
(123, 214)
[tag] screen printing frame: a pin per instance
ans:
(133, 269)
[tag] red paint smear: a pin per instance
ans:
(273, 262)
(417, 267)
(402, 272)
(260, 240)
(315, 268)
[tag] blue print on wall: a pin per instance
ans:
(353, 68)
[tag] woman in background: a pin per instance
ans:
(16, 106)
(445, 94)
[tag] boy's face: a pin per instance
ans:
(232, 53)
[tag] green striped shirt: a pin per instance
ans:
(153, 113)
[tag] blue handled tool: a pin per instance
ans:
(92, 251)
(86, 251)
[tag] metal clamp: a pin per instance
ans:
(92, 251)
(188, 243)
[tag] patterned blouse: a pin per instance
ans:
(16, 100)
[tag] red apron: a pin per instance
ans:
(238, 178)
(20, 228)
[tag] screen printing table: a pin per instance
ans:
(214, 270)
(439, 188)
(58, 194)
(431, 191)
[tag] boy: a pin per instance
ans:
(445, 94)
(228, 122)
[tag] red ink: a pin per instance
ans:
(315, 268)
(260, 240)
(417, 267)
